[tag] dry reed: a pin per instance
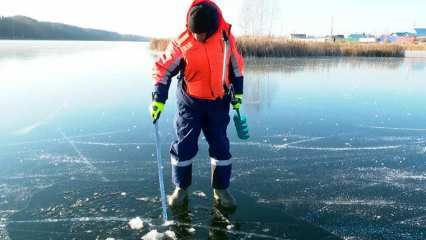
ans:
(280, 47)
(418, 46)
(159, 44)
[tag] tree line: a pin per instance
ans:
(21, 27)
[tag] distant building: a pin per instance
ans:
(420, 32)
(354, 37)
(298, 36)
(361, 37)
(335, 38)
(405, 37)
(398, 37)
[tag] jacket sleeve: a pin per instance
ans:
(236, 71)
(165, 68)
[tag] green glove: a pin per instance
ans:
(237, 101)
(155, 110)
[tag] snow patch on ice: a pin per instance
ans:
(199, 194)
(170, 234)
(286, 145)
(399, 174)
(168, 223)
(75, 220)
(393, 128)
(155, 235)
(56, 159)
(263, 200)
(136, 223)
(229, 227)
(147, 199)
(252, 144)
(360, 202)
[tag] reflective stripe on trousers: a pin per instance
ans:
(220, 173)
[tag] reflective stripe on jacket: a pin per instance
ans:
(200, 64)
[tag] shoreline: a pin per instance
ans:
(269, 47)
(161, 44)
(67, 40)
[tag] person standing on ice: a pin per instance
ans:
(203, 98)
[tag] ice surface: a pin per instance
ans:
(352, 178)
(83, 158)
(111, 144)
(336, 149)
(3, 231)
(80, 136)
(37, 124)
(293, 145)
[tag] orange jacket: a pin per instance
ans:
(200, 64)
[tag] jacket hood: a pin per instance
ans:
(222, 22)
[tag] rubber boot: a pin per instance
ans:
(178, 198)
(224, 198)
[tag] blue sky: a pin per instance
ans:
(356, 15)
(165, 18)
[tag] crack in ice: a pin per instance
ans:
(83, 158)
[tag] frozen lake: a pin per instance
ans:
(337, 148)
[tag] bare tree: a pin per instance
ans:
(259, 17)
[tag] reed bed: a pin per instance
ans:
(371, 50)
(418, 46)
(276, 47)
(280, 47)
(159, 44)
